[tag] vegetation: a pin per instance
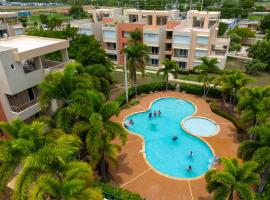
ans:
(234, 180)
(238, 36)
(77, 12)
(222, 28)
(170, 67)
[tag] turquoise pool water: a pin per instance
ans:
(201, 126)
(165, 155)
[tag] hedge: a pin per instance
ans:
(115, 193)
(147, 88)
(198, 90)
(234, 120)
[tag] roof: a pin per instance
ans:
(25, 43)
(8, 14)
(26, 46)
(172, 23)
(246, 21)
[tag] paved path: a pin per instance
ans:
(136, 175)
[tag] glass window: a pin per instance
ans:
(200, 53)
(202, 40)
(154, 50)
(151, 37)
(182, 53)
(153, 62)
(182, 65)
(112, 57)
(85, 31)
(125, 34)
(181, 39)
(109, 34)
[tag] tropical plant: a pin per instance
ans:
(234, 180)
(231, 81)
(170, 67)
(254, 105)
(135, 37)
(254, 66)
(207, 66)
(53, 173)
(259, 151)
(137, 53)
(23, 141)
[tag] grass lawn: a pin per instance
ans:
(50, 15)
(255, 17)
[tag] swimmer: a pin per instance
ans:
(159, 113)
(189, 168)
(155, 114)
(150, 115)
(190, 154)
(131, 121)
(174, 138)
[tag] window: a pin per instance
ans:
(109, 34)
(151, 37)
(168, 47)
(153, 62)
(112, 57)
(182, 53)
(169, 34)
(200, 53)
(181, 39)
(85, 31)
(125, 34)
(18, 31)
(111, 46)
(154, 50)
(182, 65)
(202, 40)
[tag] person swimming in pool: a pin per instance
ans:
(159, 113)
(150, 115)
(190, 154)
(131, 122)
(174, 138)
(155, 113)
(189, 168)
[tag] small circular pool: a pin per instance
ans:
(200, 126)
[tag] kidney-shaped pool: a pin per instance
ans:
(165, 153)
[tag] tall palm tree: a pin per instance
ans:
(137, 55)
(135, 36)
(170, 67)
(259, 151)
(231, 81)
(207, 66)
(53, 173)
(254, 104)
(235, 179)
(23, 141)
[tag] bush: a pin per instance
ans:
(198, 90)
(151, 87)
(116, 193)
(238, 124)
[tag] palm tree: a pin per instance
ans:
(207, 66)
(23, 141)
(135, 36)
(235, 179)
(259, 151)
(53, 173)
(137, 53)
(231, 81)
(254, 104)
(170, 67)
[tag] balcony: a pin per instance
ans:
(24, 106)
(52, 66)
(29, 66)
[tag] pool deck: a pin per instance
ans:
(134, 174)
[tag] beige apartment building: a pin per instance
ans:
(183, 37)
(10, 25)
(23, 65)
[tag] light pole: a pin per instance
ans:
(126, 76)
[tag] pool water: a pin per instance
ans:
(163, 154)
(201, 126)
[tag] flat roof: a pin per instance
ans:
(8, 14)
(26, 43)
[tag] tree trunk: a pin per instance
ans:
(231, 195)
(264, 178)
(103, 169)
(167, 80)
(135, 82)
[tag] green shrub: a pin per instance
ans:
(115, 193)
(198, 90)
(147, 88)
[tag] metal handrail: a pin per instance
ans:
(24, 106)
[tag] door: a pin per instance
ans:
(31, 94)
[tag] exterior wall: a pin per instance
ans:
(125, 27)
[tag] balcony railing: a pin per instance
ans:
(54, 65)
(20, 108)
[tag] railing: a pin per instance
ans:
(54, 65)
(24, 106)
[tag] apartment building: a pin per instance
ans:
(23, 66)
(98, 15)
(88, 27)
(10, 25)
(184, 38)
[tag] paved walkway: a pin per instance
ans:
(136, 175)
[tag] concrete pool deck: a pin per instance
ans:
(134, 174)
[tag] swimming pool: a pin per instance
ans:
(170, 157)
(200, 126)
